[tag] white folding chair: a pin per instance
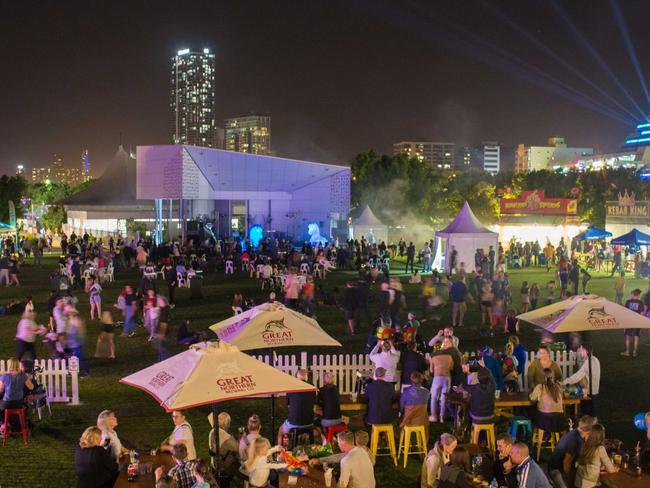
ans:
(304, 268)
(180, 281)
(230, 268)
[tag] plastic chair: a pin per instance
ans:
(374, 441)
(405, 441)
(525, 424)
(24, 431)
(332, 430)
(180, 281)
(230, 268)
(304, 268)
(489, 433)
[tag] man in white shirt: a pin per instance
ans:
(384, 355)
(588, 405)
(356, 466)
(182, 434)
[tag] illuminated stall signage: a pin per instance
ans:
(535, 203)
(628, 209)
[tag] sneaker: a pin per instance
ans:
(625, 353)
(132, 334)
(172, 305)
(635, 354)
(433, 418)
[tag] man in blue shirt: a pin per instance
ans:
(458, 293)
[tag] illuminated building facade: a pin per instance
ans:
(437, 154)
(57, 172)
(248, 134)
(491, 157)
(85, 164)
(193, 99)
(635, 154)
(556, 154)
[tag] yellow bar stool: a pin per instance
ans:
(405, 442)
(538, 438)
(374, 441)
(489, 434)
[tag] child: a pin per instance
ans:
(498, 313)
(258, 466)
(525, 297)
(619, 288)
(202, 475)
(534, 295)
(550, 286)
(512, 324)
(585, 279)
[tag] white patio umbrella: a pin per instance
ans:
(585, 313)
(582, 313)
(272, 325)
(209, 373)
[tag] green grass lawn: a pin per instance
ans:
(48, 459)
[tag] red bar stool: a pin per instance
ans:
(332, 430)
(23, 424)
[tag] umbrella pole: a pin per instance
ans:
(273, 433)
(216, 459)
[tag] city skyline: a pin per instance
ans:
(337, 79)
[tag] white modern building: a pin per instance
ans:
(492, 158)
(238, 190)
(556, 154)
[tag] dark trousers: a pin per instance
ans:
(411, 262)
(588, 406)
(25, 348)
(170, 292)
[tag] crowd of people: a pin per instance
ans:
(415, 367)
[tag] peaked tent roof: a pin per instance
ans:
(633, 238)
(116, 186)
(465, 223)
(367, 217)
(594, 233)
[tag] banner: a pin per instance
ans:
(627, 209)
(12, 213)
(535, 203)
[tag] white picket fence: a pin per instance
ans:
(346, 366)
(59, 377)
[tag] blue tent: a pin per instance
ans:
(6, 227)
(594, 234)
(633, 238)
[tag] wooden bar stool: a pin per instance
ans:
(374, 441)
(405, 441)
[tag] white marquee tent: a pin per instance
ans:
(466, 234)
(370, 227)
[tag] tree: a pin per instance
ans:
(54, 217)
(132, 227)
(11, 188)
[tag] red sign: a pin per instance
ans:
(534, 203)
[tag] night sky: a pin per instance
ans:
(338, 77)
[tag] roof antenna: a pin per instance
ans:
(120, 138)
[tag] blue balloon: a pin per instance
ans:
(639, 421)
